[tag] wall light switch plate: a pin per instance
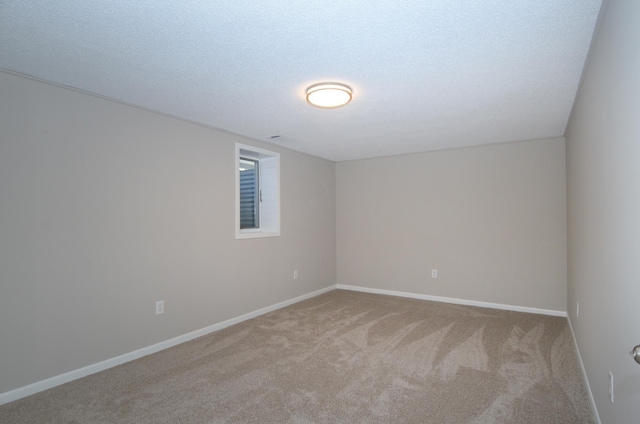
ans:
(434, 273)
(160, 307)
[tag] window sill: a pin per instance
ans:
(248, 234)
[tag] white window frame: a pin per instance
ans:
(269, 186)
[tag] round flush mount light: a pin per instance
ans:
(329, 95)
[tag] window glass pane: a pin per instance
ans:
(257, 192)
(249, 193)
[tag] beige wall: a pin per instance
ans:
(603, 170)
(491, 219)
(105, 209)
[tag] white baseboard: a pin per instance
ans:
(39, 386)
(455, 301)
(592, 400)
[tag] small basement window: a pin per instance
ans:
(257, 192)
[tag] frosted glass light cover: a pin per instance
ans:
(329, 95)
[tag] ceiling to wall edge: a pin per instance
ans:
(265, 142)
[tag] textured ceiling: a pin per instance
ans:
(426, 75)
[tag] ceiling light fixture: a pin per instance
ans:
(329, 95)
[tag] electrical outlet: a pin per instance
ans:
(160, 307)
(434, 273)
(295, 274)
(611, 386)
(577, 309)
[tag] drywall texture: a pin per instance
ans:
(106, 209)
(603, 171)
(491, 219)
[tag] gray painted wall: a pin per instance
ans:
(106, 208)
(603, 170)
(491, 219)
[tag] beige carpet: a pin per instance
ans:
(342, 357)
